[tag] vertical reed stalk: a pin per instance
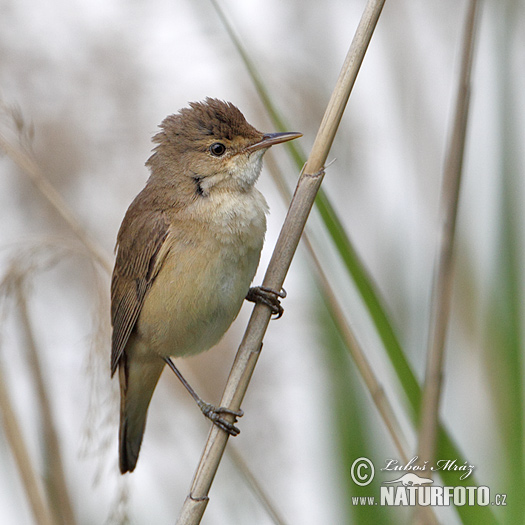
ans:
(302, 202)
(444, 266)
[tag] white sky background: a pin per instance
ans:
(95, 79)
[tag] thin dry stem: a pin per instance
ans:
(380, 400)
(364, 368)
(57, 488)
(444, 268)
(302, 202)
(366, 371)
(443, 271)
(254, 485)
(17, 444)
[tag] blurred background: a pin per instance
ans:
(84, 86)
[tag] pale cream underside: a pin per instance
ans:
(201, 285)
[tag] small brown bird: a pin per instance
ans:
(187, 251)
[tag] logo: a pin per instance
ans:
(411, 480)
(414, 465)
(411, 489)
(362, 472)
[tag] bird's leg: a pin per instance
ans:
(269, 297)
(210, 411)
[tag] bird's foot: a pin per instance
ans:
(269, 297)
(213, 413)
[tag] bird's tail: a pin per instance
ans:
(137, 383)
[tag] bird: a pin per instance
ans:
(186, 253)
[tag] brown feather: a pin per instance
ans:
(139, 241)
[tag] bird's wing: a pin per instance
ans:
(139, 258)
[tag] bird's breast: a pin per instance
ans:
(235, 217)
(204, 278)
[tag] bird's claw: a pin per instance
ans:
(213, 414)
(269, 297)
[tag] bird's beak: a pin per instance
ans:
(269, 139)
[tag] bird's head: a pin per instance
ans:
(211, 145)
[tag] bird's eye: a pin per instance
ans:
(217, 149)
